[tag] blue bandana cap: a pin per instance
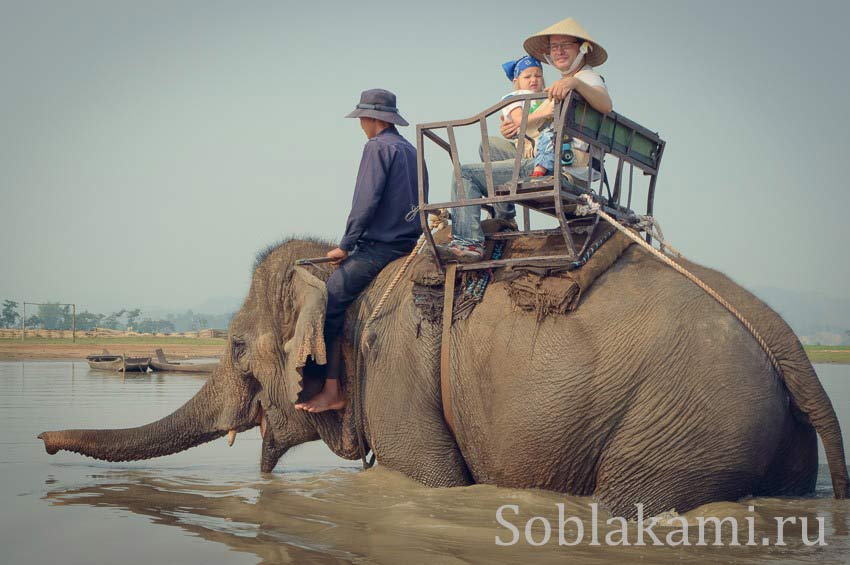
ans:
(514, 68)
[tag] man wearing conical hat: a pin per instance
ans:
(570, 49)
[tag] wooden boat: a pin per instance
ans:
(163, 365)
(105, 362)
(139, 364)
(110, 362)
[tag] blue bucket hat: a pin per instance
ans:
(378, 103)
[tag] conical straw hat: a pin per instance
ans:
(538, 44)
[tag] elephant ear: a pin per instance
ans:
(305, 351)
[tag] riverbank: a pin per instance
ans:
(193, 347)
(829, 354)
(141, 346)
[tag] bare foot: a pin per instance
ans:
(539, 171)
(330, 398)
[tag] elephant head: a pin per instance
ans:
(275, 343)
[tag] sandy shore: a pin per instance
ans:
(17, 351)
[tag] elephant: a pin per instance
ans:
(650, 392)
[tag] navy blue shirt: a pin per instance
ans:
(385, 193)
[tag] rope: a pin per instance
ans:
(651, 226)
(357, 391)
(590, 207)
(433, 224)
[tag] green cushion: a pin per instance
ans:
(611, 134)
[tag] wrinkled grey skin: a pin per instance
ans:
(650, 392)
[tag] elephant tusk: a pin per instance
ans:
(263, 427)
(231, 437)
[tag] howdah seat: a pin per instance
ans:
(613, 140)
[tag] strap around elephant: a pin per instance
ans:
(446, 345)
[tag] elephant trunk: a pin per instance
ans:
(192, 424)
(272, 450)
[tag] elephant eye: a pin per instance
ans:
(240, 358)
(239, 349)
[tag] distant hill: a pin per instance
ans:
(216, 306)
(811, 315)
(213, 312)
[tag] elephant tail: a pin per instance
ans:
(789, 360)
(808, 395)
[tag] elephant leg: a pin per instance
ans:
(410, 436)
(432, 459)
(794, 469)
(403, 407)
(661, 488)
(680, 452)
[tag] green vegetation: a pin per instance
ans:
(52, 315)
(9, 315)
(136, 340)
(88, 321)
(828, 353)
(59, 316)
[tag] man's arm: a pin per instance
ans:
(508, 129)
(596, 96)
(371, 181)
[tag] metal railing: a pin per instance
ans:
(607, 135)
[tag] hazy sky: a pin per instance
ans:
(149, 149)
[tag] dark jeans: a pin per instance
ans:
(355, 274)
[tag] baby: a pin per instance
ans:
(526, 74)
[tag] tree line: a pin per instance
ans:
(56, 316)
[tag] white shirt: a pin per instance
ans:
(506, 111)
(591, 78)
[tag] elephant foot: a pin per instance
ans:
(330, 398)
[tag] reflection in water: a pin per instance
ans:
(229, 515)
(315, 508)
(383, 516)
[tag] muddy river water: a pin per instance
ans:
(212, 505)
